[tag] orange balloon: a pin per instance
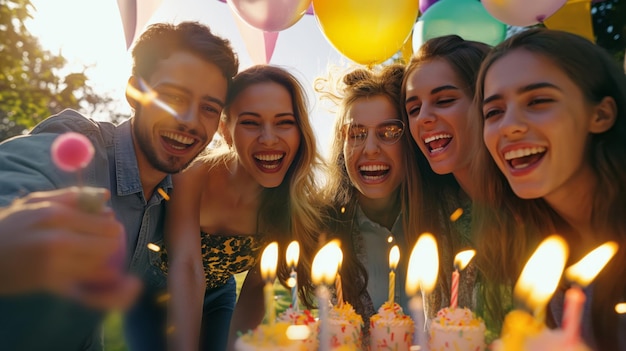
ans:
(366, 31)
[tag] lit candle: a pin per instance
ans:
(323, 273)
(581, 274)
(394, 257)
(422, 273)
(293, 253)
(541, 275)
(461, 260)
(269, 259)
(338, 283)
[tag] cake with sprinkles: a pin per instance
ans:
(268, 337)
(302, 318)
(457, 329)
(345, 327)
(391, 329)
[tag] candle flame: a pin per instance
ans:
(269, 259)
(542, 272)
(326, 263)
(585, 270)
(463, 258)
(394, 257)
(423, 265)
(293, 253)
(620, 308)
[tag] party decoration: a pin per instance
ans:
(425, 4)
(522, 12)
(72, 151)
(135, 14)
(465, 18)
(260, 44)
(270, 15)
(574, 17)
(367, 32)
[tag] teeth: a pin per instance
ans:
(437, 137)
(269, 157)
(527, 151)
(179, 138)
(373, 168)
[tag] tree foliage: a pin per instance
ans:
(31, 87)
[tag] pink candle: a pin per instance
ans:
(454, 300)
(572, 313)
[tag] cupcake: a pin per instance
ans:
(457, 329)
(345, 327)
(391, 329)
(268, 338)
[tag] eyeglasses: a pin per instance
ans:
(388, 132)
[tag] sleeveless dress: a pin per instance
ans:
(224, 256)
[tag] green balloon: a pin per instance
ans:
(465, 18)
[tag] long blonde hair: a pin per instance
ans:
(291, 211)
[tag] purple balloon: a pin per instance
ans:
(425, 4)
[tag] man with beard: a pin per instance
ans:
(180, 77)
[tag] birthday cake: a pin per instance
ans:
(522, 332)
(345, 327)
(302, 318)
(268, 338)
(391, 329)
(457, 329)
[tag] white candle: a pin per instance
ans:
(323, 300)
(269, 259)
(293, 253)
(416, 305)
(421, 277)
(323, 272)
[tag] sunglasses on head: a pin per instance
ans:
(387, 132)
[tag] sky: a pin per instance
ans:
(90, 34)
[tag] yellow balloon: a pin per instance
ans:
(366, 31)
(574, 17)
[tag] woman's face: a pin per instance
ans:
(536, 125)
(372, 148)
(265, 132)
(437, 103)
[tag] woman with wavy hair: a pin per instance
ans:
(257, 186)
(437, 92)
(551, 108)
(374, 184)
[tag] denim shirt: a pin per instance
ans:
(42, 321)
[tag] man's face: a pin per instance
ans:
(178, 111)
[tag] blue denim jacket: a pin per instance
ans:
(44, 322)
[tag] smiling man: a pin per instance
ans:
(180, 77)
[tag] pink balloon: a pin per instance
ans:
(522, 13)
(270, 15)
(72, 151)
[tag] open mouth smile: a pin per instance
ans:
(525, 157)
(437, 143)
